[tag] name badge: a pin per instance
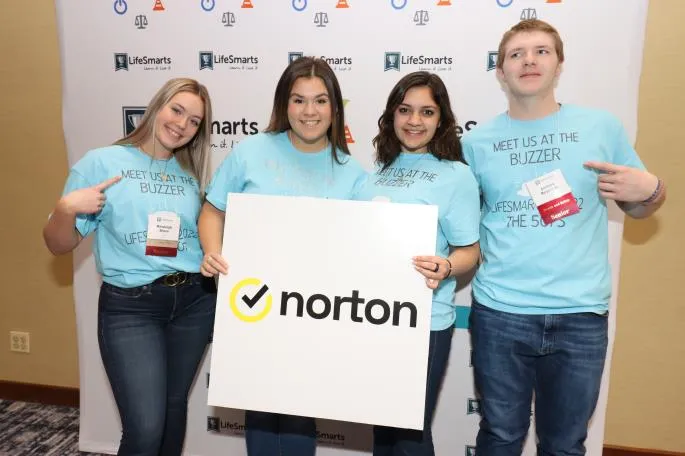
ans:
(552, 196)
(163, 229)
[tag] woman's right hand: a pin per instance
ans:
(89, 200)
(213, 264)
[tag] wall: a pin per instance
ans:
(36, 288)
(646, 399)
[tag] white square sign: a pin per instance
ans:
(322, 313)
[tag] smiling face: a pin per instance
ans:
(178, 121)
(530, 67)
(416, 119)
(309, 114)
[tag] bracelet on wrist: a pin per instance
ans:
(653, 197)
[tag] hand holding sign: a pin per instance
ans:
(433, 268)
(213, 264)
(623, 183)
(89, 200)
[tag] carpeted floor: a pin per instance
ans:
(37, 429)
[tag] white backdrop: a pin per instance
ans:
(117, 53)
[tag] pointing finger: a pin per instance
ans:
(603, 166)
(104, 185)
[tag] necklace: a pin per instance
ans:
(162, 172)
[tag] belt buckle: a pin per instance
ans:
(175, 279)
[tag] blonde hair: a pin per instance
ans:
(194, 156)
(530, 25)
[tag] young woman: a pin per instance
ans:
(142, 197)
(417, 145)
(302, 153)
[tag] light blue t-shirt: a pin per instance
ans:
(268, 164)
(121, 226)
(528, 267)
(449, 185)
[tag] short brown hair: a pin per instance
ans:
(530, 25)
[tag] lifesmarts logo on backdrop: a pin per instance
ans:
(210, 60)
(492, 60)
(337, 62)
(132, 115)
(472, 406)
(251, 300)
(124, 61)
(395, 60)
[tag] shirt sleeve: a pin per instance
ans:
(229, 178)
(77, 180)
(360, 180)
(469, 153)
(622, 150)
(461, 220)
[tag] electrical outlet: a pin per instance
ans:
(19, 342)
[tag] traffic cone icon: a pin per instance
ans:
(247, 4)
(445, 3)
(342, 4)
(158, 6)
(348, 135)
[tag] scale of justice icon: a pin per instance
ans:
(228, 19)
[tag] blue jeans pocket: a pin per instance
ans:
(131, 293)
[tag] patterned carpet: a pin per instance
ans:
(36, 429)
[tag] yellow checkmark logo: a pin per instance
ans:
(250, 299)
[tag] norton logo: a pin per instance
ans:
(251, 301)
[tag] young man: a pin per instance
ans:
(541, 294)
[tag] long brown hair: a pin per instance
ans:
(444, 145)
(194, 156)
(310, 67)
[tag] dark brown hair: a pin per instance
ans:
(444, 145)
(310, 67)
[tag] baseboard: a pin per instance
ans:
(43, 394)
(612, 450)
(58, 395)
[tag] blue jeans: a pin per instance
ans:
(388, 441)
(274, 434)
(152, 339)
(560, 357)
